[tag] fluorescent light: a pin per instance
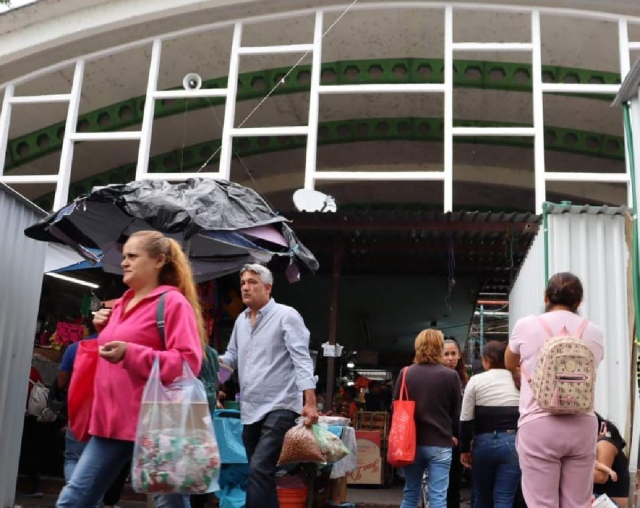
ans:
(351, 365)
(72, 279)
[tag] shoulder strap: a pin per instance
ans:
(404, 392)
(160, 319)
(582, 328)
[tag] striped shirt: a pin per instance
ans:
(273, 361)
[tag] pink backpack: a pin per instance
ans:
(565, 377)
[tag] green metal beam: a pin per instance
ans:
(254, 85)
(352, 131)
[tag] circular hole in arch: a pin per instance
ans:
(328, 76)
(550, 137)
(264, 141)
(187, 157)
(83, 125)
(352, 72)
(522, 76)
(22, 149)
(383, 128)
(571, 140)
(593, 143)
(43, 141)
(244, 144)
(612, 146)
(304, 77)
(548, 77)
(400, 70)
(497, 74)
(362, 129)
(571, 77)
(258, 83)
(284, 140)
(596, 80)
(60, 133)
(424, 128)
(125, 113)
(425, 71)
(404, 128)
(104, 119)
(343, 130)
(376, 71)
(473, 72)
(323, 132)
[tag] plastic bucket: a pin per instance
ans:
(292, 498)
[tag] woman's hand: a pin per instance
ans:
(114, 351)
(466, 459)
(101, 318)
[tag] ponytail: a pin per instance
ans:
(177, 272)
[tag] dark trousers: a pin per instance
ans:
(32, 450)
(455, 477)
(496, 471)
(263, 443)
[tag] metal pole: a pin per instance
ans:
(481, 329)
(448, 110)
(538, 113)
(333, 322)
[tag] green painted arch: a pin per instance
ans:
(254, 85)
(353, 131)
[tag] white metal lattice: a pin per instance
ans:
(536, 131)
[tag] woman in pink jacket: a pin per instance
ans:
(129, 342)
(557, 452)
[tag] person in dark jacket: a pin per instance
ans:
(436, 391)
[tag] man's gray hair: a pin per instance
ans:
(261, 271)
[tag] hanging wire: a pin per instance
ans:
(282, 81)
(246, 169)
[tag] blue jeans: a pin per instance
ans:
(99, 465)
(437, 460)
(496, 472)
(72, 452)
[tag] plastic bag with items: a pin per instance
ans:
(175, 449)
(311, 444)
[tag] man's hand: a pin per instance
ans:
(310, 408)
(466, 459)
(101, 318)
(114, 351)
(311, 413)
(454, 440)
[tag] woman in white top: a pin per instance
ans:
(489, 419)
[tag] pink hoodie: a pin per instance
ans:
(118, 388)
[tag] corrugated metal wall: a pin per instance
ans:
(592, 246)
(526, 295)
(21, 268)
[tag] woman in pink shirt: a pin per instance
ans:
(557, 451)
(129, 342)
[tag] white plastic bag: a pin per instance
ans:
(175, 449)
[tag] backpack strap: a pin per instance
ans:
(582, 328)
(160, 319)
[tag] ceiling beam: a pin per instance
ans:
(342, 223)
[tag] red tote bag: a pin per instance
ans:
(80, 399)
(402, 436)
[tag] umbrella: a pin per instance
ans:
(221, 226)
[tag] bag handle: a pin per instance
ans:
(403, 386)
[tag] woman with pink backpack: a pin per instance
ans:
(558, 353)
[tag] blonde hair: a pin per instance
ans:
(429, 347)
(175, 272)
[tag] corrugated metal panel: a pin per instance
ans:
(526, 297)
(593, 246)
(555, 209)
(21, 266)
